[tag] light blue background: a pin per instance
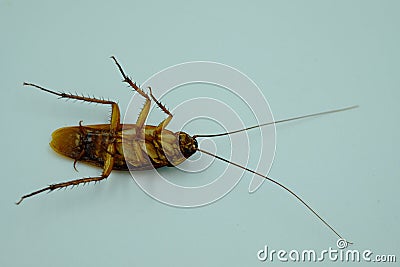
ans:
(306, 56)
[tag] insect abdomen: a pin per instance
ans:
(87, 144)
(66, 141)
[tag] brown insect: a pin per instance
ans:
(142, 147)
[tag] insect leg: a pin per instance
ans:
(165, 122)
(146, 108)
(143, 114)
(109, 158)
(139, 90)
(115, 114)
(129, 81)
(62, 185)
(108, 166)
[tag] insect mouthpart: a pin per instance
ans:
(187, 144)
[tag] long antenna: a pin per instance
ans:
(280, 185)
(279, 121)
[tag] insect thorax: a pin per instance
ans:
(154, 149)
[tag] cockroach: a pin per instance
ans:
(143, 146)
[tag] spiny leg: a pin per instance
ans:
(136, 146)
(65, 95)
(107, 168)
(165, 122)
(146, 108)
(115, 113)
(62, 185)
(129, 81)
(109, 159)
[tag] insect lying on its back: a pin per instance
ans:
(143, 146)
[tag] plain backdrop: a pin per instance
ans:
(306, 56)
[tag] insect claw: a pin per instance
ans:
(19, 201)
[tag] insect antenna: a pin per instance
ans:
(268, 178)
(280, 185)
(275, 122)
